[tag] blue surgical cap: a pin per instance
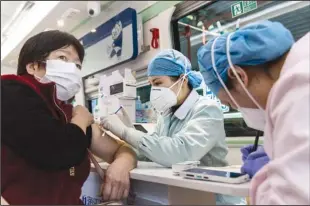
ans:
(251, 45)
(173, 63)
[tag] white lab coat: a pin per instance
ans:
(285, 179)
(194, 132)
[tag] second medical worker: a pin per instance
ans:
(189, 127)
(261, 71)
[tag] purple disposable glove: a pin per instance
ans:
(246, 150)
(252, 162)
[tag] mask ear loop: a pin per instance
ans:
(219, 26)
(183, 79)
(235, 73)
(38, 78)
(218, 75)
(238, 24)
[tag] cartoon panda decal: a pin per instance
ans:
(117, 37)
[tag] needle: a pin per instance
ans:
(118, 109)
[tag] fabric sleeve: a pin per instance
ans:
(287, 180)
(31, 131)
(192, 142)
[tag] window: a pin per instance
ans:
(92, 104)
(188, 36)
(144, 93)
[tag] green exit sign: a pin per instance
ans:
(242, 7)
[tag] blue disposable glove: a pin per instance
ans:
(253, 162)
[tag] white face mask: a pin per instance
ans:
(66, 77)
(253, 117)
(163, 98)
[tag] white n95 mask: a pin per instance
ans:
(163, 98)
(66, 77)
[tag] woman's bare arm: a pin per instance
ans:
(110, 149)
(122, 160)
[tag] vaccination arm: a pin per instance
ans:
(196, 138)
(110, 149)
(122, 158)
(287, 182)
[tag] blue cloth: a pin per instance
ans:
(173, 63)
(253, 161)
(253, 44)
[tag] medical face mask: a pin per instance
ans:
(65, 75)
(163, 98)
(253, 117)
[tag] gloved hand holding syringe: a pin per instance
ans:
(122, 114)
(121, 126)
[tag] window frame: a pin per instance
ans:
(267, 13)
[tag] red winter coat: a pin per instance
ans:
(44, 158)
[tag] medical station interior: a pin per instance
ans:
(118, 78)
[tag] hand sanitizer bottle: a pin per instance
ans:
(139, 110)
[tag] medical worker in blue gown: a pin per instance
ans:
(189, 126)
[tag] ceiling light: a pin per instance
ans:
(3, 38)
(93, 30)
(60, 23)
(17, 15)
(39, 11)
(70, 13)
(190, 17)
(211, 27)
(48, 29)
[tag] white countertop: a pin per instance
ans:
(152, 172)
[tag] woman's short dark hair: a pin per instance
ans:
(38, 47)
